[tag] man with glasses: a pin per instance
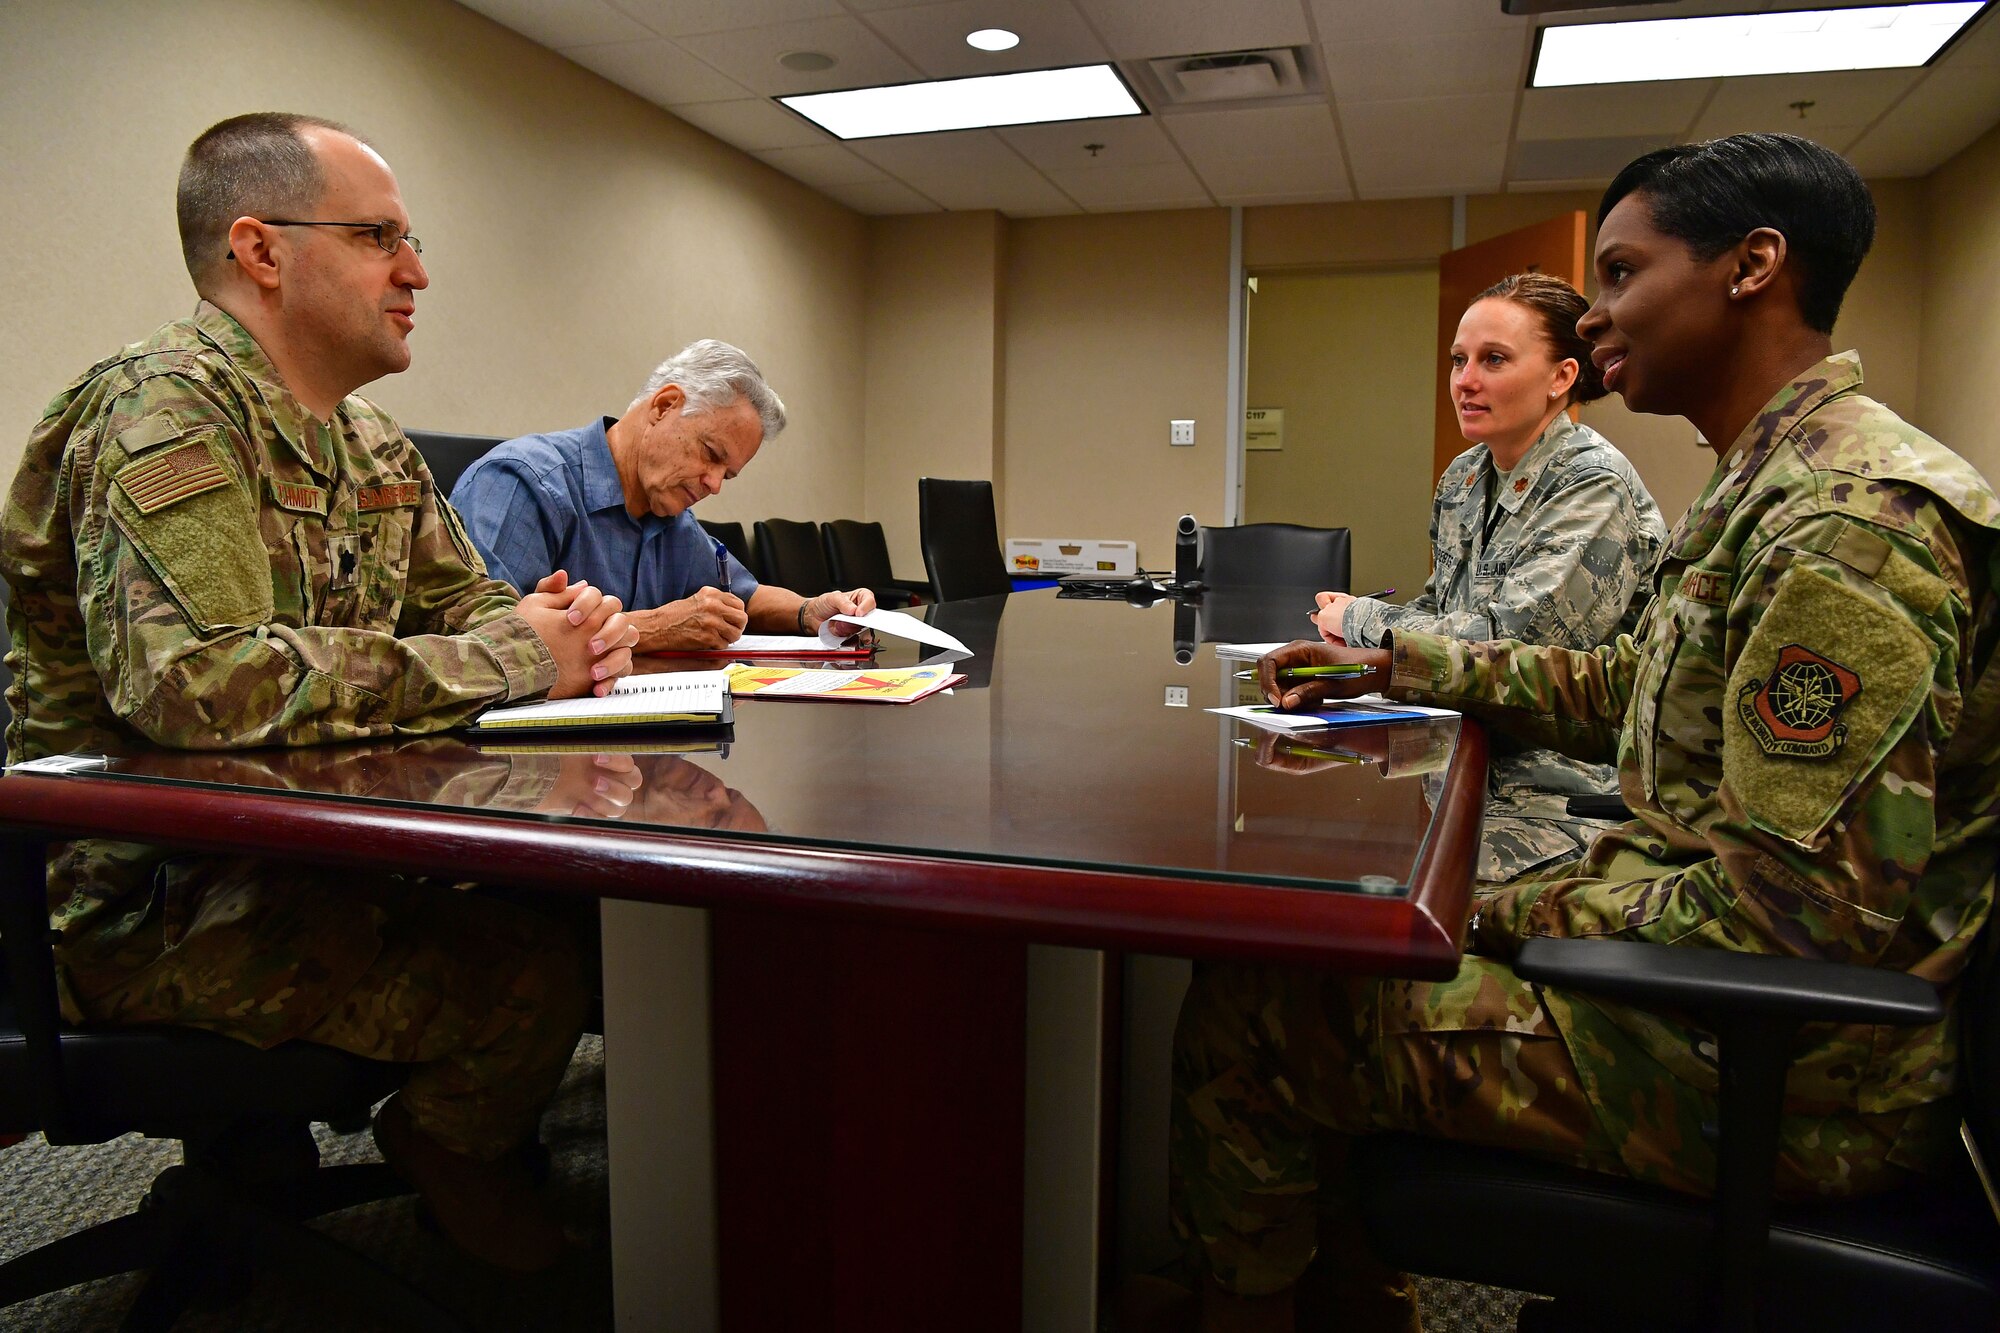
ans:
(212, 544)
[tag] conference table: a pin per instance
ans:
(885, 1017)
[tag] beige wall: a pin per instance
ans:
(575, 233)
(1116, 324)
(1347, 356)
(1883, 316)
(934, 367)
(1959, 385)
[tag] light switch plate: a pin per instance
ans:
(1177, 696)
(1180, 433)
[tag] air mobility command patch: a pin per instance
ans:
(1832, 675)
(1796, 711)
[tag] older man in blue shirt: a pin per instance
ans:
(612, 504)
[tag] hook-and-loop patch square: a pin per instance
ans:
(152, 484)
(1832, 675)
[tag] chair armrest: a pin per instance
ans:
(1724, 983)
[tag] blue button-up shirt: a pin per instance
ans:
(548, 502)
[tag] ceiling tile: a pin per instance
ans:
(753, 124)
(1128, 142)
(1841, 102)
(1579, 159)
(1665, 109)
(1374, 21)
(933, 36)
(968, 169)
(559, 23)
(1459, 63)
(881, 198)
(1305, 176)
(674, 18)
(822, 165)
(1950, 108)
(1288, 131)
(657, 70)
(750, 55)
(1138, 29)
(1427, 146)
(1142, 185)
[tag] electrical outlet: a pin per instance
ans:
(1180, 433)
(1177, 696)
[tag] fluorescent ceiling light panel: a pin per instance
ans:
(1733, 45)
(1082, 92)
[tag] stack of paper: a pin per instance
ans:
(895, 685)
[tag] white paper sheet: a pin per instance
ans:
(884, 621)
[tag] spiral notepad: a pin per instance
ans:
(678, 699)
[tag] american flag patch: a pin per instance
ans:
(172, 477)
(393, 495)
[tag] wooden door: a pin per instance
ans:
(1554, 247)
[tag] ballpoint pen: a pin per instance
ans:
(1309, 672)
(721, 565)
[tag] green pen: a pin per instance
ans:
(1301, 752)
(1309, 672)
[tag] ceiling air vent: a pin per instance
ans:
(1233, 76)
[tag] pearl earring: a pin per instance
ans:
(1734, 290)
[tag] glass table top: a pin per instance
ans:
(1064, 746)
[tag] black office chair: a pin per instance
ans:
(1616, 1254)
(448, 456)
(858, 554)
(793, 557)
(1276, 554)
(961, 539)
(737, 541)
(250, 1175)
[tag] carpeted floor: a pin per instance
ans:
(50, 1191)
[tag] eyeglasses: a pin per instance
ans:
(387, 235)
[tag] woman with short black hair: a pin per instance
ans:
(1807, 727)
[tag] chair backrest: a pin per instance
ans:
(1276, 554)
(961, 539)
(448, 455)
(732, 536)
(1978, 1006)
(857, 553)
(793, 557)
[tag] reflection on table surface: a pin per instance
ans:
(1061, 749)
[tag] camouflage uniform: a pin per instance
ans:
(1815, 769)
(1574, 536)
(198, 562)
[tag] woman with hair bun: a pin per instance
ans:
(1541, 532)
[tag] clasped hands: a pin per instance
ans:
(587, 632)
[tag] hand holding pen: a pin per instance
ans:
(1330, 616)
(1302, 674)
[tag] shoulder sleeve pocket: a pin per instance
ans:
(1825, 686)
(191, 518)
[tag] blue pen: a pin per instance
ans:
(721, 565)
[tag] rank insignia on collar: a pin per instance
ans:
(1796, 712)
(1520, 485)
